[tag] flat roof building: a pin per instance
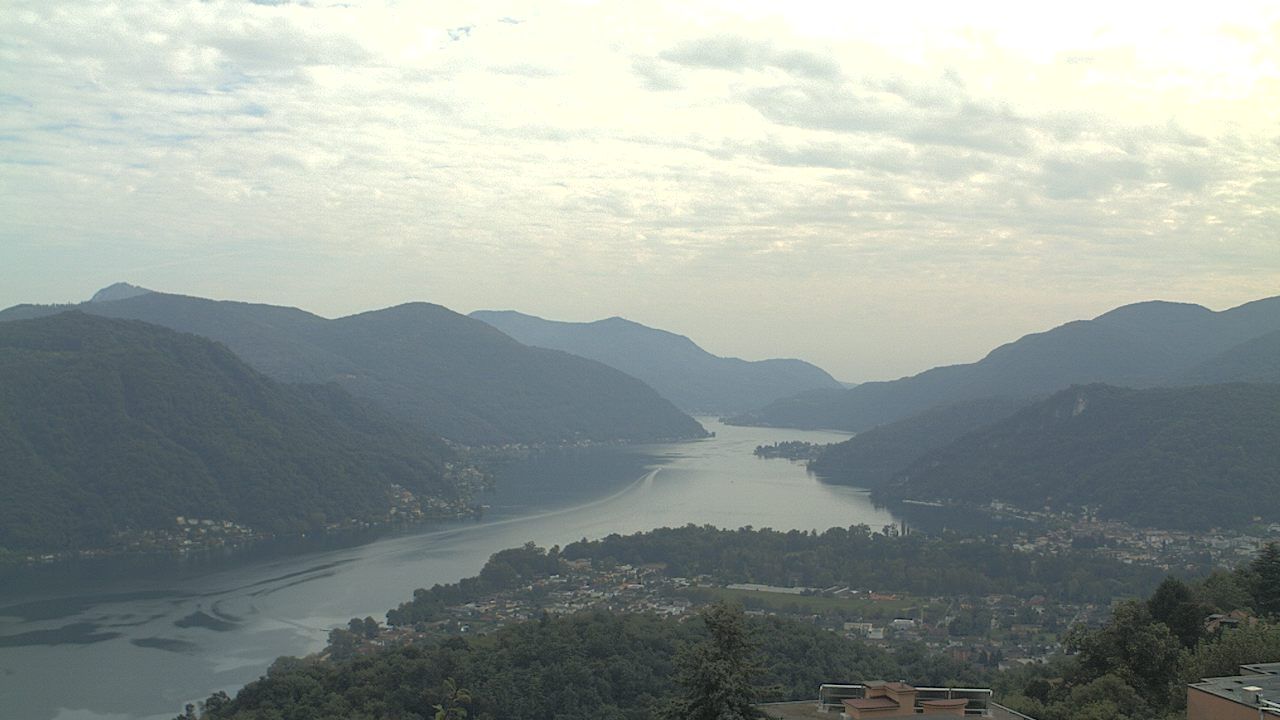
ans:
(1251, 695)
(880, 700)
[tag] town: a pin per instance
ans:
(994, 630)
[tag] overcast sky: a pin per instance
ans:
(876, 187)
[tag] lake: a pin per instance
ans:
(138, 638)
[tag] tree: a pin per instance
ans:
(215, 702)
(1173, 604)
(1266, 580)
(1225, 591)
(1225, 654)
(342, 644)
(715, 675)
(1140, 652)
(453, 699)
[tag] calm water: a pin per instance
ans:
(131, 639)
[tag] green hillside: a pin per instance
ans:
(869, 459)
(451, 375)
(1255, 361)
(111, 425)
(1193, 457)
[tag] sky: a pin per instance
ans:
(876, 189)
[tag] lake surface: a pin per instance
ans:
(130, 638)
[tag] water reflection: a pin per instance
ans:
(141, 637)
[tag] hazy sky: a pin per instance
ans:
(876, 187)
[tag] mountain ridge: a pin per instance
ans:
(1138, 345)
(1183, 457)
(673, 364)
(454, 376)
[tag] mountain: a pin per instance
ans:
(1188, 457)
(454, 376)
(870, 459)
(692, 378)
(116, 425)
(118, 291)
(1254, 361)
(1142, 345)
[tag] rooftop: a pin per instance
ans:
(799, 710)
(1243, 689)
(879, 703)
(812, 710)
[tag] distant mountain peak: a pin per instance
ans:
(448, 374)
(1145, 344)
(673, 364)
(118, 291)
(1151, 311)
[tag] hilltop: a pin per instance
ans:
(451, 375)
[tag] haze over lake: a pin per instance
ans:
(140, 642)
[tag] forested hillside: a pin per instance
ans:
(111, 426)
(588, 666)
(1255, 361)
(1193, 457)
(870, 459)
(451, 375)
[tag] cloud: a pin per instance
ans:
(917, 114)
(1065, 179)
(655, 75)
(736, 54)
(633, 160)
(528, 70)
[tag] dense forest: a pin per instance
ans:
(451, 375)
(587, 666)
(1193, 458)
(109, 426)
(870, 459)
